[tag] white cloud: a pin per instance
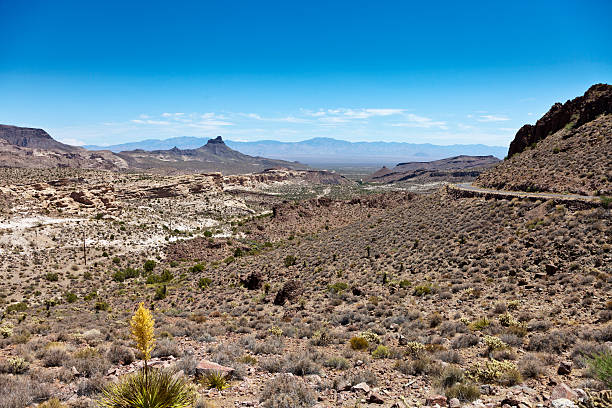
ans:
(150, 122)
(492, 118)
(415, 121)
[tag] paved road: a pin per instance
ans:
(545, 196)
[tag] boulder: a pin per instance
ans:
(563, 391)
(205, 367)
(563, 403)
(374, 398)
(564, 368)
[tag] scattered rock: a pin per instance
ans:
(454, 403)
(563, 403)
(436, 399)
(361, 387)
(375, 399)
(562, 391)
(564, 368)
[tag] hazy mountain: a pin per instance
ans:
(328, 151)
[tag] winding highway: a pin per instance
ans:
(535, 195)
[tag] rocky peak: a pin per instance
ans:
(596, 101)
(216, 141)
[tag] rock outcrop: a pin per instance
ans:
(596, 101)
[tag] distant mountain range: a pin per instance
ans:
(35, 148)
(324, 151)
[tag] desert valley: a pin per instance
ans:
(463, 282)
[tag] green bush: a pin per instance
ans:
(101, 306)
(148, 389)
(601, 365)
(359, 343)
(290, 260)
(70, 297)
(149, 265)
(197, 268)
(203, 283)
(338, 287)
(464, 392)
(17, 307)
(381, 352)
(422, 290)
(52, 277)
(160, 292)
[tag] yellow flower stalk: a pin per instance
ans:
(142, 331)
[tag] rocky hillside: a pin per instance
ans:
(33, 138)
(568, 150)
(460, 167)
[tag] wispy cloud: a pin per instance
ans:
(492, 118)
(416, 121)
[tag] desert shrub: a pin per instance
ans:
(449, 328)
(414, 348)
(381, 352)
(155, 388)
(271, 345)
(338, 287)
(435, 320)
(338, 363)
(494, 343)
(52, 403)
(214, 380)
(6, 330)
(371, 337)
(300, 364)
(495, 372)
(464, 392)
(188, 364)
(322, 337)
(52, 277)
(449, 356)
(531, 366)
(21, 391)
(14, 365)
(359, 343)
(465, 341)
(511, 339)
(16, 307)
(149, 265)
(583, 350)
(601, 366)
(450, 376)
(53, 355)
(284, 391)
(423, 365)
(88, 361)
(422, 290)
(556, 341)
(91, 386)
(480, 324)
(203, 283)
(160, 292)
(101, 306)
(296, 363)
(70, 297)
(166, 347)
(290, 260)
(119, 354)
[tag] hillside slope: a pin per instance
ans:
(452, 167)
(569, 150)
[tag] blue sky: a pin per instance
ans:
(440, 72)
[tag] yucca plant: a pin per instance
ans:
(149, 388)
(215, 379)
